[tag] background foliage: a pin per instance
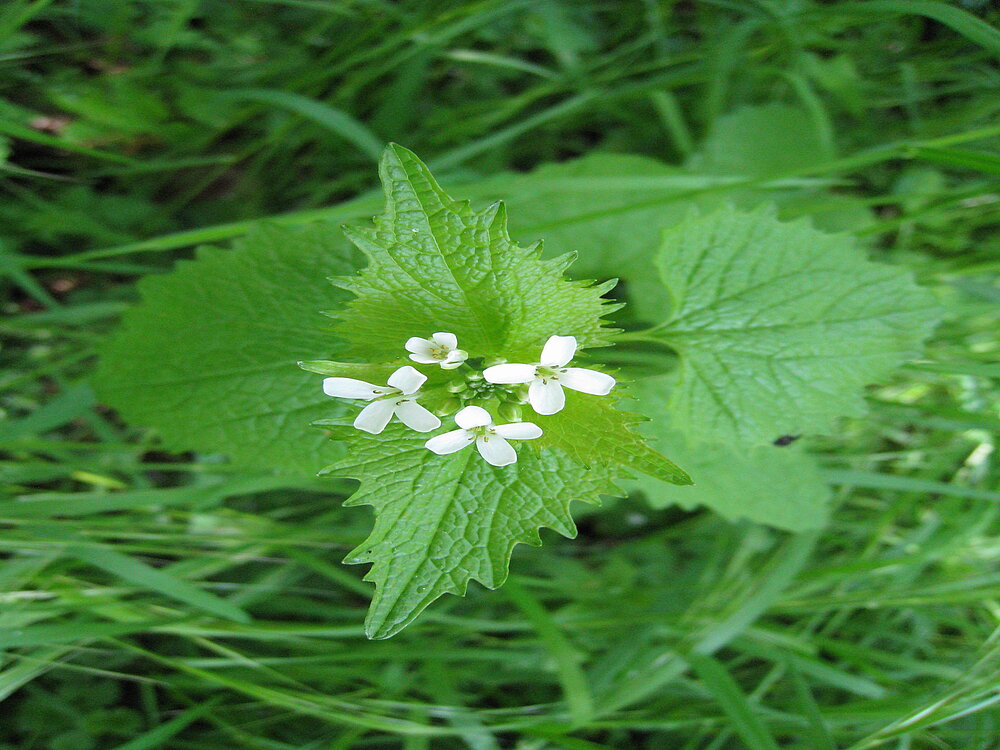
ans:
(155, 599)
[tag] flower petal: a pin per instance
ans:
(450, 442)
(351, 388)
(455, 357)
(473, 416)
(587, 381)
(546, 396)
(374, 417)
(496, 450)
(510, 373)
(519, 431)
(424, 359)
(417, 345)
(558, 351)
(416, 417)
(407, 380)
(445, 339)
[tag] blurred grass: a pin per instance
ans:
(130, 132)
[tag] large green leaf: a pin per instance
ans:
(434, 264)
(208, 357)
(779, 326)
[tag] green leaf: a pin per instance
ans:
(434, 264)
(780, 487)
(443, 520)
(779, 326)
(208, 357)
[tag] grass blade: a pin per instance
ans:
(154, 579)
(331, 118)
(741, 713)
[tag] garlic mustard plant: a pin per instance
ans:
(550, 375)
(444, 517)
(476, 426)
(440, 349)
(398, 399)
(744, 373)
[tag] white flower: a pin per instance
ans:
(550, 375)
(439, 349)
(491, 440)
(397, 398)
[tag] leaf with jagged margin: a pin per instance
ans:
(779, 326)
(436, 265)
(443, 520)
(208, 357)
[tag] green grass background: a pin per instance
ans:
(132, 131)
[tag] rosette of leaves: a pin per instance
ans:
(777, 326)
(433, 264)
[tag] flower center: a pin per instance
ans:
(546, 373)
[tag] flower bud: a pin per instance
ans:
(510, 412)
(448, 406)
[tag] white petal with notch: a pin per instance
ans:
(447, 340)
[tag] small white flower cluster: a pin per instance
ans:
(545, 379)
